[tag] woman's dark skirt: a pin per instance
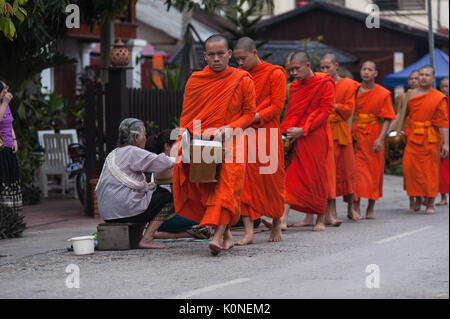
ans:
(10, 191)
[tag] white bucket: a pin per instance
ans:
(83, 245)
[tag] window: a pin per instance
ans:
(393, 5)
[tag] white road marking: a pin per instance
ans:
(210, 288)
(387, 240)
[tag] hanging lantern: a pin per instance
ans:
(120, 56)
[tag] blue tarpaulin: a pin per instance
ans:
(401, 78)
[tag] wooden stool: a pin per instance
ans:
(119, 236)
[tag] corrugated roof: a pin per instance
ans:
(279, 50)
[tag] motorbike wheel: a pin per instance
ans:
(81, 185)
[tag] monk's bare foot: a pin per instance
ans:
(443, 202)
(430, 211)
(418, 204)
(214, 248)
(151, 245)
(353, 215)
(227, 240)
(276, 234)
(269, 224)
(334, 223)
(370, 215)
(319, 227)
(246, 240)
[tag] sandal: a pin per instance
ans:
(199, 232)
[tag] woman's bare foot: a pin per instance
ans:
(151, 245)
(246, 240)
(276, 234)
(214, 248)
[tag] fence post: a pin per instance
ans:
(117, 107)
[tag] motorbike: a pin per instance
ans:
(77, 169)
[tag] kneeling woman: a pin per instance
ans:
(123, 194)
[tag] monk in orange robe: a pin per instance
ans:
(311, 99)
(343, 147)
(444, 167)
(263, 193)
(427, 127)
(373, 103)
(220, 97)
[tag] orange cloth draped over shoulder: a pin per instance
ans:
(343, 147)
(310, 103)
(215, 99)
(264, 187)
(371, 107)
(444, 170)
(427, 113)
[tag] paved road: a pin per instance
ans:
(409, 252)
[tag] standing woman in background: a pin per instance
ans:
(10, 191)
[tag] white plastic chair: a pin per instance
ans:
(56, 159)
(72, 132)
(41, 136)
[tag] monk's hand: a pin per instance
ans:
(444, 151)
(378, 145)
(294, 133)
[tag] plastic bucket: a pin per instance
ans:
(83, 245)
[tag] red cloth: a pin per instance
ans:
(263, 194)
(310, 103)
(444, 170)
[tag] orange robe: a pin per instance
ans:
(331, 165)
(263, 194)
(310, 103)
(343, 147)
(216, 99)
(444, 171)
(371, 107)
(427, 113)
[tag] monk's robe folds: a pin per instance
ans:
(263, 194)
(371, 107)
(215, 99)
(310, 103)
(444, 171)
(343, 147)
(426, 113)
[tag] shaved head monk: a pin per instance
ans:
(426, 129)
(401, 105)
(373, 104)
(311, 100)
(222, 98)
(343, 147)
(263, 194)
(443, 168)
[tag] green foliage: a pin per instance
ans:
(11, 223)
(395, 170)
(10, 12)
(213, 5)
(34, 48)
(170, 78)
(93, 11)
